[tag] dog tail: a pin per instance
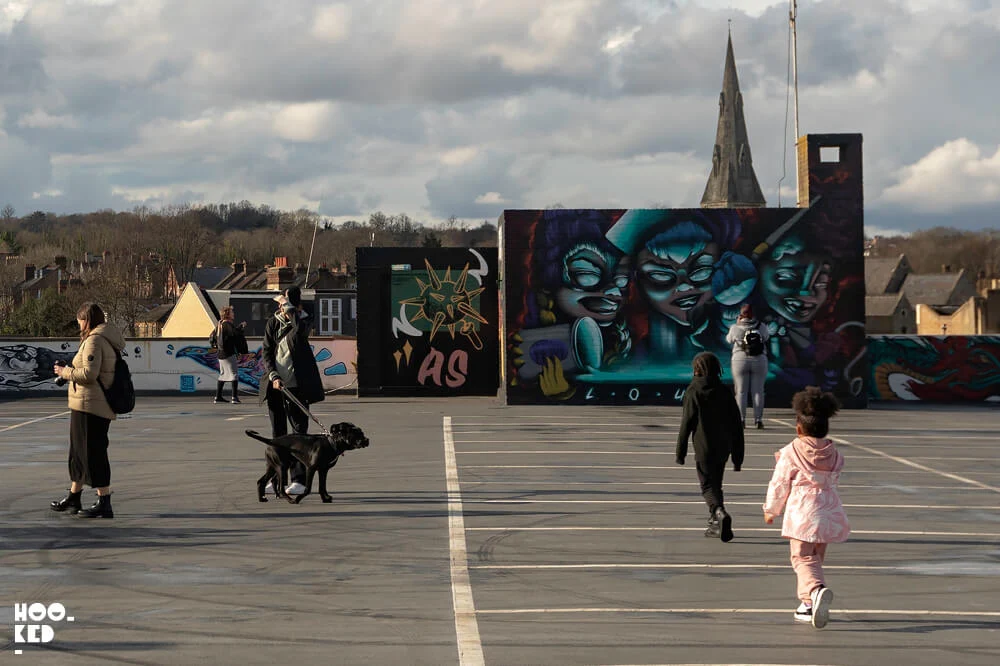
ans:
(257, 436)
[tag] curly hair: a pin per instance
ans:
(813, 410)
(706, 364)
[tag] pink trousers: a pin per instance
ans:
(807, 560)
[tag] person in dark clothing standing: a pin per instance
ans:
(712, 416)
(289, 364)
(229, 339)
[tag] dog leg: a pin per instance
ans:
(322, 486)
(261, 484)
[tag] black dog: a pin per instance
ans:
(317, 452)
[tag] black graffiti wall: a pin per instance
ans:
(611, 306)
(428, 321)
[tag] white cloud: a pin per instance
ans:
(953, 175)
(435, 107)
(332, 23)
(308, 122)
(494, 198)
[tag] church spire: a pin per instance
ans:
(732, 183)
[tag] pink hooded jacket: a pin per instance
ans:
(804, 488)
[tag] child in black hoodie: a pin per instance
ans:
(712, 416)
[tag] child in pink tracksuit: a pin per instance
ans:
(804, 488)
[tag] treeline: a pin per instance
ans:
(932, 250)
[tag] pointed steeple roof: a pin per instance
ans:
(732, 183)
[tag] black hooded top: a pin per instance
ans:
(712, 415)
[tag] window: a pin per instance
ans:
(829, 154)
(329, 316)
(257, 311)
(354, 309)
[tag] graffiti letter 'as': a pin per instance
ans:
(431, 367)
(458, 368)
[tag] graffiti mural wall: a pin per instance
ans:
(610, 306)
(935, 368)
(162, 365)
(428, 321)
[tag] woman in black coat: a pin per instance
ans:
(289, 364)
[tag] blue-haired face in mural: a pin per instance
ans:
(687, 275)
(573, 309)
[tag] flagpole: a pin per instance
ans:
(792, 18)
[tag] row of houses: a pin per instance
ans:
(898, 300)
(181, 309)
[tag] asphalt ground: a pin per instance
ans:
(512, 535)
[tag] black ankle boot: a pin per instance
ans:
(69, 503)
(100, 509)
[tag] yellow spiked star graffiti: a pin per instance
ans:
(446, 302)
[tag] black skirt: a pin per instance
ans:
(88, 450)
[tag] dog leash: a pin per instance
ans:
(297, 403)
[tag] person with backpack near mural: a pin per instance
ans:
(91, 375)
(289, 365)
(749, 362)
(231, 343)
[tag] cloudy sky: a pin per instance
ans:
(466, 107)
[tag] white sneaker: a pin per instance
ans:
(804, 613)
(269, 488)
(296, 489)
(822, 598)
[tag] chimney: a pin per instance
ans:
(239, 267)
(300, 267)
(946, 268)
(29, 272)
(280, 276)
(60, 261)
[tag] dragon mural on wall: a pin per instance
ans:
(938, 368)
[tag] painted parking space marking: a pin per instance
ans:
(470, 649)
(909, 463)
(738, 611)
(936, 507)
(764, 530)
(37, 420)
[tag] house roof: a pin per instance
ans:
(878, 274)
(931, 288)
(882, 306)
(209, 277)
(159, 314)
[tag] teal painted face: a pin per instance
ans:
(795, 283)
(594, 284)
(675, 271)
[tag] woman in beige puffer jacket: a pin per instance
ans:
(90, 415)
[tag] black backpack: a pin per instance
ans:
(121, 394)
(753, 342)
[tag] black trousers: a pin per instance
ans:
(88, 450)
(710, 477)
(281, 410)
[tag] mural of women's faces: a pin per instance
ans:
(795, 280)
(594, 281)
(675, 268)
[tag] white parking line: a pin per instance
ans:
(470, 649)
(677, 468)
(42, 418)
(904, 461)
(728, 567)
(543, 452)
(736, 611)
(936, 507)
(544, 484)
(768, 530)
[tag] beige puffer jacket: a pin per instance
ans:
(96, 358)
